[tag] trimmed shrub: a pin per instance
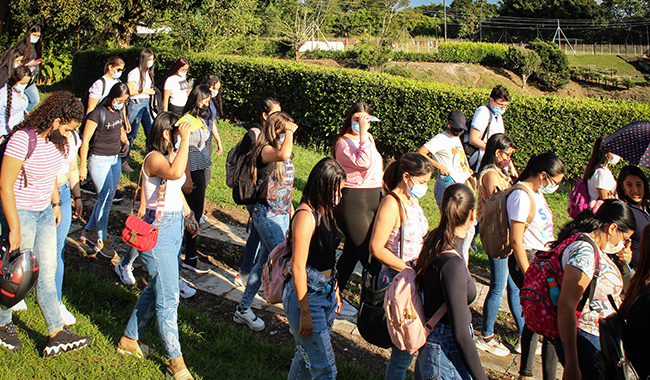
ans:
(411, 112)
(554, 72)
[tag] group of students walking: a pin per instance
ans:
(349, 191)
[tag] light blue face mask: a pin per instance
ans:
(118, 106)
(117, 74)
(177, 144)
(417, 191)
(16, 65)
(550, 188)
(355, 127)
(498, 111)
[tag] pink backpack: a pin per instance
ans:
(405, 313)
(578, 198)
(539, 311)
(276, 271)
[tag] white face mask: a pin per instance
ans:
(149, 63)
(182, 75)
(33, 39)
(20, 87)
(614, 159)
(117, 74)
(214, 93)
(281, 137)
(612, 249)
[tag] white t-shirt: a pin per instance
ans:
(99, 90)
(482, 116)
(134, 76)
(178, 87)
(448, 151)
(540, 230)
(602, 179)
(18, 108)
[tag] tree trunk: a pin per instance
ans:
(124, 36)
(524, 79)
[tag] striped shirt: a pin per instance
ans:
(41, 168)
(198, 157)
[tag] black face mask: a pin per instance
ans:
(56, 137)
(456, 132)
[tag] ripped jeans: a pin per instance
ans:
(314, 357)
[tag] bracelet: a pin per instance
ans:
(57, 204)
(191, 214)
(289, 129)
(79, 197)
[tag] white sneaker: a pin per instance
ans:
(68, 318)
(20, 306)
(241, 280)
(491, 345)
(348, 310)
(518, 346)
(186, 290)
(204, 219)
(247, 317)
(125, 273)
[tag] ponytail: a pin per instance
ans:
(548, 163)
(598, 158)
(414, 164)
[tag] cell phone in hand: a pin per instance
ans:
(40, 60)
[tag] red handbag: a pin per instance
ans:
(137, 233)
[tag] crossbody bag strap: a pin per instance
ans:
(139, 187)
(433, 321)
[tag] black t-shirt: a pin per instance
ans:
(106, 140)
(635, 338)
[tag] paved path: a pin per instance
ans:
(220, 281)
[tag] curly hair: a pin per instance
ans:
(60, 105)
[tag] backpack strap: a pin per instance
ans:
(402, 218)
(589, 294)
(531, 212)
(433, 321)
(31, 146)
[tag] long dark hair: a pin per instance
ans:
(265, 106)
(198, 94)
(177, 66)
(25, 44)
(322, 186)
(414, 164)
(641, 280)
(60, 105)
(598, 158)
(16, 77)
(270, 136)
(208, 81)
(118, 89)
(347, 123)
(627, 171)
(457, 205)
(166, 121)
(548, 163)
(142, 65)
(612, 211)
(498, 141)
(9, 57)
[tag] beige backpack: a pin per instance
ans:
(495, 226)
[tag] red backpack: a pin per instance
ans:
(539, 311)
(578, 199)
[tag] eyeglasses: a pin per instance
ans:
(551, 180)
(508, 155)
(503, 106)
(627, 240)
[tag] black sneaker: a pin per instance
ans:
(195, 265)
(88, 187)
(119, 195)
(65, 341)
(9, 338)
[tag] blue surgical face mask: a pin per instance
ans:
(498, 111)
(34, 39)
(118, 106)
(117, 74)
(177, 144)
(16, 65)
(550, 188)
(355, 127)
(417, 191)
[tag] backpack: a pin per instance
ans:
(246, 191)
(471, 150)
(578, 199)
(86, 96)
(102, 121)
(235, 154)
(276, 271)
(155, 103)
(495, 226)
(405, 313)
(31, 146)
(539, 311)
(614, 364)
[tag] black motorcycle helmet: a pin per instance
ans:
(18, 275)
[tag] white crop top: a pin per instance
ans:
(173, 198)
(74, 143)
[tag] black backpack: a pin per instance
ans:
(235, 154)
(102, 121)
(86, 96)
(244, 191)
(470, 149)
(155, 103)
(614, 364)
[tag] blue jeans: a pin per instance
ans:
(272, 229)
(162, 293)
(61, 233)
(105, 173)
(400, 361)
(138, 113)
(439, 357)
(438, 191)
(588, 347)
(314, 358)
(33, 98)
(500, 279)
(252, 246)
(38, 233)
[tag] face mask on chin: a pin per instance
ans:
(56, 137)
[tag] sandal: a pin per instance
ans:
(183, 374)
(141, 352)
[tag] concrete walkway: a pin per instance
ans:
(220, 281)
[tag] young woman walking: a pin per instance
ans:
(405, 182)
(32, 47)
(13, 101)
(177, 88)
(113, 70)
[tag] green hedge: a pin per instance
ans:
(411, 111)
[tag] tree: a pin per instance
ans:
(525, 61)
(554, 71)
(300, 19)
(471, 15)
(388, 10)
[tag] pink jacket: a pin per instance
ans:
(361, 161)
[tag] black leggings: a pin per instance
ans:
(528, 338)
(358, 209)
(195, 200)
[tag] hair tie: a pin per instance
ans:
(595, 205)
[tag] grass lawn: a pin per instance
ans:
(604, 62)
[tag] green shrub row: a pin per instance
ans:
(411, 112)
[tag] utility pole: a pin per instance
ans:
(444, 7)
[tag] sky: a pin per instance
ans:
(415, 3)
